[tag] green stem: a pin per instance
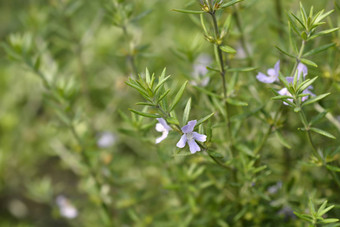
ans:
(222, 71)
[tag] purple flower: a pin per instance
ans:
(273, 74)
(191, 137)
(301, 68)
(162, 127)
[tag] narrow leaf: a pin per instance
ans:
(145, 114)
(322, 132)
(236, 102)
(186, 112)
(319, 49)
(188, 11)
(227, 4)
(228, 49)
(315, 99)
(178, 96)
(200, 121)
(309, 62)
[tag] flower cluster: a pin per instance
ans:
(189, 136)
(273, 75)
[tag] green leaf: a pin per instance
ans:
(161, 83)
(322, 132)
(147, 76)
(163, 96)
(227, 4)
(330, 220)
(203, 24)
(140, 89)
(188, 11)
(309, 62)
(318, 117)
(145, 104)
(285, 52)
(304, 217)
(282, 140)
(282, 97)
(314, 99)
(186, 112)
(236, 102)
(305, 84)
(243, 69)
(212, 69)
(178, 96)
(319, 49)
(322, 207)
(204, 119)
(298, 20)
(145, 114)
(333, 168)
(293, 24)
(323, 33)
(228, 49)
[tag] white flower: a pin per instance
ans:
(162, 127)
(66, 209)
(189, 137)
(106, 140)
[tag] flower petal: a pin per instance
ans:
(301, 68)
(277, 68)
(164, 135)
(182, 141)
(290, 79)
(164, 124)
(307, 91)
(199, 137)
(271, 72)
(284, 91)
(193, 146)
(189, 127)
(264, 78)
(160, 128)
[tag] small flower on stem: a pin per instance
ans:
(162, 127)
(273, 74)
(191, 137)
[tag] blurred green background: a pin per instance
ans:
(86, 57)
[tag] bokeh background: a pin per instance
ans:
(85, 54)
